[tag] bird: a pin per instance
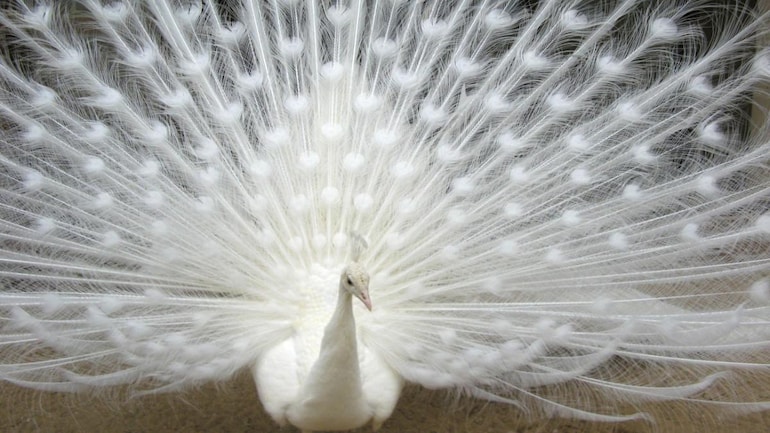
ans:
(560, 205)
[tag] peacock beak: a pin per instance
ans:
(364, 297)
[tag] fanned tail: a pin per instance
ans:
(552, 193)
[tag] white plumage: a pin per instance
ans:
(550, 191)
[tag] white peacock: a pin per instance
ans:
(548, 189)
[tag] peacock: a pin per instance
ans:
(343, 197)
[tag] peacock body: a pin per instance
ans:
(537, 193)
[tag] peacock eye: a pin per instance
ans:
(350, 281)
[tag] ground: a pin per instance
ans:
(234, 407)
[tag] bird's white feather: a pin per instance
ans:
(551, 192)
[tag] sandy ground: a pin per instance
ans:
(234, 407)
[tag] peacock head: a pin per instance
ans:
(355, 280)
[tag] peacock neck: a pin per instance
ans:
(339, 347)
(334, 380)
